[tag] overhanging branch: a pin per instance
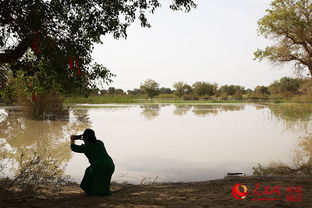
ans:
(14, 54)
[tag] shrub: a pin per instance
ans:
(167, 96)
(190, 97)
(48, 105)
(38, 177)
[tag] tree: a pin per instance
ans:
(61, 35)
(114, 91)
(261, 92)
(285, 87)
(288, 22)
(150, 87)
(135, 91)
(180, 88)
(231, 90)
(165, 90)
(204, 88)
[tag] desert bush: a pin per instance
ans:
(39, 177)
(301, 162)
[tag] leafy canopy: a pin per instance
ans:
(150, 87)
(288, 23)
(62, 35)
(204, 88)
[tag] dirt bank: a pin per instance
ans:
(292, 192)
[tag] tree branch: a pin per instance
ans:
(14, 54)
(302, 43)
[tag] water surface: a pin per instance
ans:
(171, 142)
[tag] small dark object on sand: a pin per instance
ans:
(234, 174)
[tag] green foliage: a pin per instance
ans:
(165, 90)
(204, 88)
(41, 102)
(150, 87)
(293, 113)
(113, 91)
(261, 92)
(48, 106)
(135, 91)
(288, 22)
(305, 91)
(3, 77)
(8, 92)
(234, 91)
(190, 97)
(62, 35)
(181, 88)
(166, 97)
(285, 87)
(104, 99)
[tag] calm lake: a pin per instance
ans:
(166, 142)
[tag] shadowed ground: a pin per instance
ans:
(215, 193)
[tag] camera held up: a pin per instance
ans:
(78, 137)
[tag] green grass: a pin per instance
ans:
(102, 99)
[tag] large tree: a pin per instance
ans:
(150, 87)
(61, 35)
(289, 24)
(204, 88)
(180, 88)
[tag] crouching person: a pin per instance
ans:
(97, 177)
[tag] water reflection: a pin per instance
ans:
(202, 110)
(206, 110)
(150, 112)
(181, 110)
(293, 115)
(179, 130)
(24, 137)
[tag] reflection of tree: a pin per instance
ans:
(202, 110)
(226, 108)
(150, 111)
(293, 115)
(181, 110)
(260, 107)
(205, 110)
(301, 162)
(45, 138)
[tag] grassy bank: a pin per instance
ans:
(102, 99)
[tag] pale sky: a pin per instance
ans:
(213, 43)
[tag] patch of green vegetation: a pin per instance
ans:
(163, 98)
(103, 99)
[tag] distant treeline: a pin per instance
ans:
(285, 88)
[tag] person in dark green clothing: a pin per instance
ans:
(97, 177)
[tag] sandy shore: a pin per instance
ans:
(295, 192)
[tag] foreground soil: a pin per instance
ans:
(295, 192)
